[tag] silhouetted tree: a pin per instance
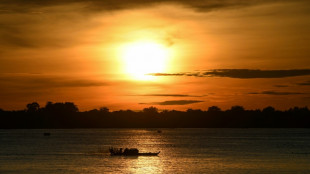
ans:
(93, 111)
(194, 111)
(104, 109)
(269, 109)
(189, 110)
(71, 107)
(150, 110)
(214, 109)
(237, 108)
(67, 107)
(49, 106)
(33, 107)
(66, 115)
(165, 111)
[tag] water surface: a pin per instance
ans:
(182, 151)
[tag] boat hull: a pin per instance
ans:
(139, 154)
(129, 152)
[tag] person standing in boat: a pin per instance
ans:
(126, 151)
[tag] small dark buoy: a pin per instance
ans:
(47, 134)
(159, 131)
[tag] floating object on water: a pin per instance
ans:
(159, 131)
(130, 152)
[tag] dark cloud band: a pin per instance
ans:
(46, 81)
(175, 102)
(242, 73)
(277, 93)
(304, 83)
(169, 95)
(107, 5)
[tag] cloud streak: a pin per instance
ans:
(307, 83)
(175, 102)
(169, 95)
(110, 5)
(241, 73)
(28, 30)
(281, 86)
(46, 81)
(277, 93)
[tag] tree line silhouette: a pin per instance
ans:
(67, 115)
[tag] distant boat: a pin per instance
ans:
(47, 134)
(129, 152)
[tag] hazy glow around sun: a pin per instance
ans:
(144, 57)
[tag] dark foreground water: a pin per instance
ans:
(182, 151)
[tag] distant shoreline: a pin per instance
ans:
(67, 116)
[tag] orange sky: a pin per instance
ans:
(195, 54)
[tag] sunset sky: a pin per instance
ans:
(169, 54)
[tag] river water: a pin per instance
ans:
(181, 151)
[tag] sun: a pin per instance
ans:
(144, 57)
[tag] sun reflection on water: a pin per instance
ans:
(144, 164)
(145, 141)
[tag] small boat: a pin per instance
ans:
(130, 152)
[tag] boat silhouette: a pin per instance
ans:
(130, 152)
